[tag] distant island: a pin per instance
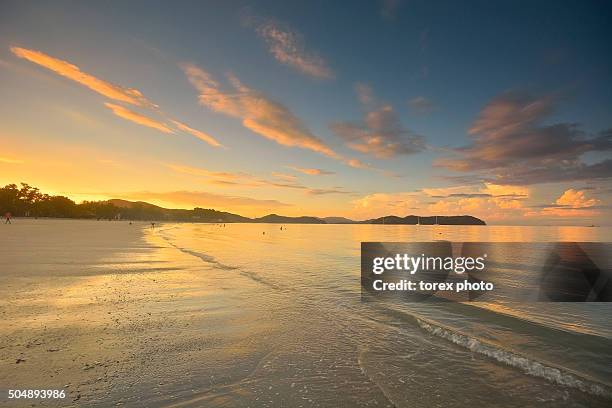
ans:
(28, 201)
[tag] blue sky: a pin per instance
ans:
(494, 108)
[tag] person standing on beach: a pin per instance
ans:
(7, 218)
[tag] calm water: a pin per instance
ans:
(323, 345)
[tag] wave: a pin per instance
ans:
(213, 261)
(545, 370)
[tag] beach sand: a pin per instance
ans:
(91, 307)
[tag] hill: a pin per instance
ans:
(431, 220)
(338, 220)
(279, 219)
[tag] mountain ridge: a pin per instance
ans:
(211, 215)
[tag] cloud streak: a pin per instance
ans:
(114, 92)
(311, 171)
(207, 200)
(240, 179)
(70, 71)
(138, 118)
(10, 160)
(199, 134)
(257, 112)
(421, 105)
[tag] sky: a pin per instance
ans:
(501, 110)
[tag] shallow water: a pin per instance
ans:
(242, 318)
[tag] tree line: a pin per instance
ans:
(26, 201)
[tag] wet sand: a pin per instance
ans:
(90, 307)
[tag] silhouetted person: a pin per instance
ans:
(7, 218)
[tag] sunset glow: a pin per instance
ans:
(98, 110)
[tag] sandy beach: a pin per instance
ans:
(88, 307)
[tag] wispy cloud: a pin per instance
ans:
(510, 142)
(287, 47)
(365, 94)
(380, 132)
(311, 171)
(114, 92)
(218, 177)
(232, 179)
(208, 200)
(240, 179)
(199, 134)
(138, 118)
(421, 105)
(326, 191)
(379, 204)
(10, 160)
(258, 113)
(501, 196)
(283, 176)
(70, 71)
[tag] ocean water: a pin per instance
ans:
(326, 340)
(211, 315)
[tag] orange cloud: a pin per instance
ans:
(358, 164)
(258, 113)
(111, 91)
(576, 199)
(311, 171)
(327, 191)
(489, 201)
(283, 176)
(379, 204)
(138, 118)
(217, 175)
(242, 205)
(240, 179)
(507, 197)
(70, 71)
(572, 203)
(10, 160)
(200, 135)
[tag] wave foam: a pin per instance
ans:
(529, 366)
